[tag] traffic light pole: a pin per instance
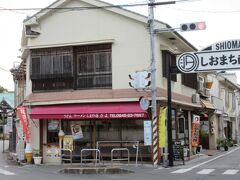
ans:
(153, 84)
(151, 5)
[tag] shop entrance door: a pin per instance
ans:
(50, 142)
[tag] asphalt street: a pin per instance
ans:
(224, 165)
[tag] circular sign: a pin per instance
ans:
(144, 103)
(187, 62)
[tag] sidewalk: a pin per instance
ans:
(108, 168)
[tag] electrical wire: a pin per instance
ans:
(204, 11)
(143, 3)
(72, 8)
(134, 4)
(178, 1)
(13, 11)
(4, 69)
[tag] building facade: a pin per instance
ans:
(221, 116)
(74, 76)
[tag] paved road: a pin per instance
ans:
(225, 165)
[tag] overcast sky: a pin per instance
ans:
(221, 17)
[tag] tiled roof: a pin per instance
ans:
(90, 96)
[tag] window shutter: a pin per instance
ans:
(167, 56)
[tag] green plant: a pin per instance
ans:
(223, 142)
(36, 152)
(219, 143)
(230, 142)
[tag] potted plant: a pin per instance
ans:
(225, 144)
(219, 144)
(37, 158)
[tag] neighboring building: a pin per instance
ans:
(229, 91)
(74, 72)
(7, 118)
(221, 117)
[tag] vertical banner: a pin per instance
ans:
(22, 113)
(147, 133)
(162, 127)
(9, 124)
(195, 130)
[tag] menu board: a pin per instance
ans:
(178, 154)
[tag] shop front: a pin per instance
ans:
(83, 125)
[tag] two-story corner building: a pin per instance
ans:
(75, 65)
(220, 99)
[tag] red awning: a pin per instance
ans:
(89, 111)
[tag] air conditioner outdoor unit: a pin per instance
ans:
(195, 98)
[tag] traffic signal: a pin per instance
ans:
(140, 80)
(132, 77)
(193, 26)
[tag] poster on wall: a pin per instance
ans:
(147, 133)
(68, 142)
(76, 130)
(9, 124)
(195, 130)
(53, 125)
(53, 151)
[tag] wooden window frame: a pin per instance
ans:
(91, 77)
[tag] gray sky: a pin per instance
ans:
(221, 17)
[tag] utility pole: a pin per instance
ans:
(152, 31)
(153, 83)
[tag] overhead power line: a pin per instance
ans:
(205, 11)
(4, 69)
(87, 7)
(17, 10)
(72, 8)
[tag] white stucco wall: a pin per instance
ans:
(34, 134)
(130, 50)
(130, 38)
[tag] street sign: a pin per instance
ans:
(223, 55)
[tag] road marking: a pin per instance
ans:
(231, 172)
(180, 171)
(5, 172)
(215, 158)
(206, 171)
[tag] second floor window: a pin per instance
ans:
(76, 67)
(233, 102)
(49, 63)
(94, 67)
(226, 98)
